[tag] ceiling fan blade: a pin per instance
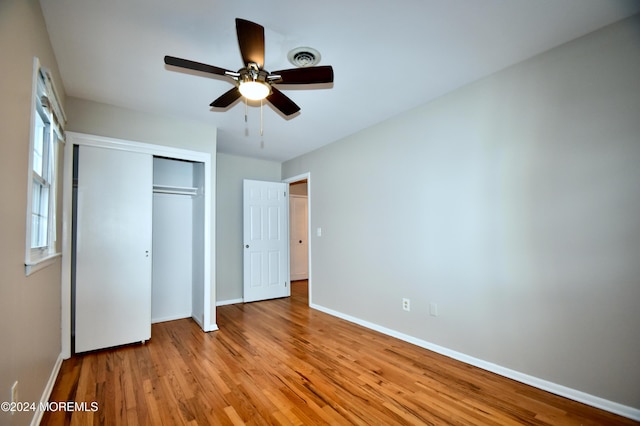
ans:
(282, 102)
(310, 75)
(251, 41)
(197, 66)
(226, 99)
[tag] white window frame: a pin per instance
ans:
(47, 118)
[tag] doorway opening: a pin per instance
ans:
(299, 232)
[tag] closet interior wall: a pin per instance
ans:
(178, 240)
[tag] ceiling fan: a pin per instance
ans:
(252, 81)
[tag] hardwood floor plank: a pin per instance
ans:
(278, 362)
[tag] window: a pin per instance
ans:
(45, 135)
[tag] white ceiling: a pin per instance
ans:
(387, 56)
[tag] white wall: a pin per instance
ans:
(232, 170)
(514, 204)
(29, 306)
(171, 294)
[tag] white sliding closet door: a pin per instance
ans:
(113, 248)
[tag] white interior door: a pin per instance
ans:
(298, 241)
(266, 237)
(113, 248)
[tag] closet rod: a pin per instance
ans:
(177, 190)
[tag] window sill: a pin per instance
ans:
(36, 265)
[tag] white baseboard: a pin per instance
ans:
(37, 416)
(576, 395)
(229, 302)
(171, 318)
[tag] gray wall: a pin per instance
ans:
(513, 203)
(232, 170)
(29, 306)
(106, 120)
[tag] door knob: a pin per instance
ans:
(247, 246)
(300, 241)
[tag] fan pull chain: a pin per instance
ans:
(261, 126)
(261, 119)
(246, 109)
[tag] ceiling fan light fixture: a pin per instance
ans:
(254, 90)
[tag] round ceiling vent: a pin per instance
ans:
(304, 57)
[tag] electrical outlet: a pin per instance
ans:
(433, 309)
(406, 304)
(14, 392)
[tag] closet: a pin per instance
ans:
(177, 218)
(139, 236)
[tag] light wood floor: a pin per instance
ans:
(279, 362)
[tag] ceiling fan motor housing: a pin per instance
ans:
(252, 73)
(252, 82)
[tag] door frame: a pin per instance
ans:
(306, 176)
(74, 138)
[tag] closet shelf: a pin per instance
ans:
(179, 190)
